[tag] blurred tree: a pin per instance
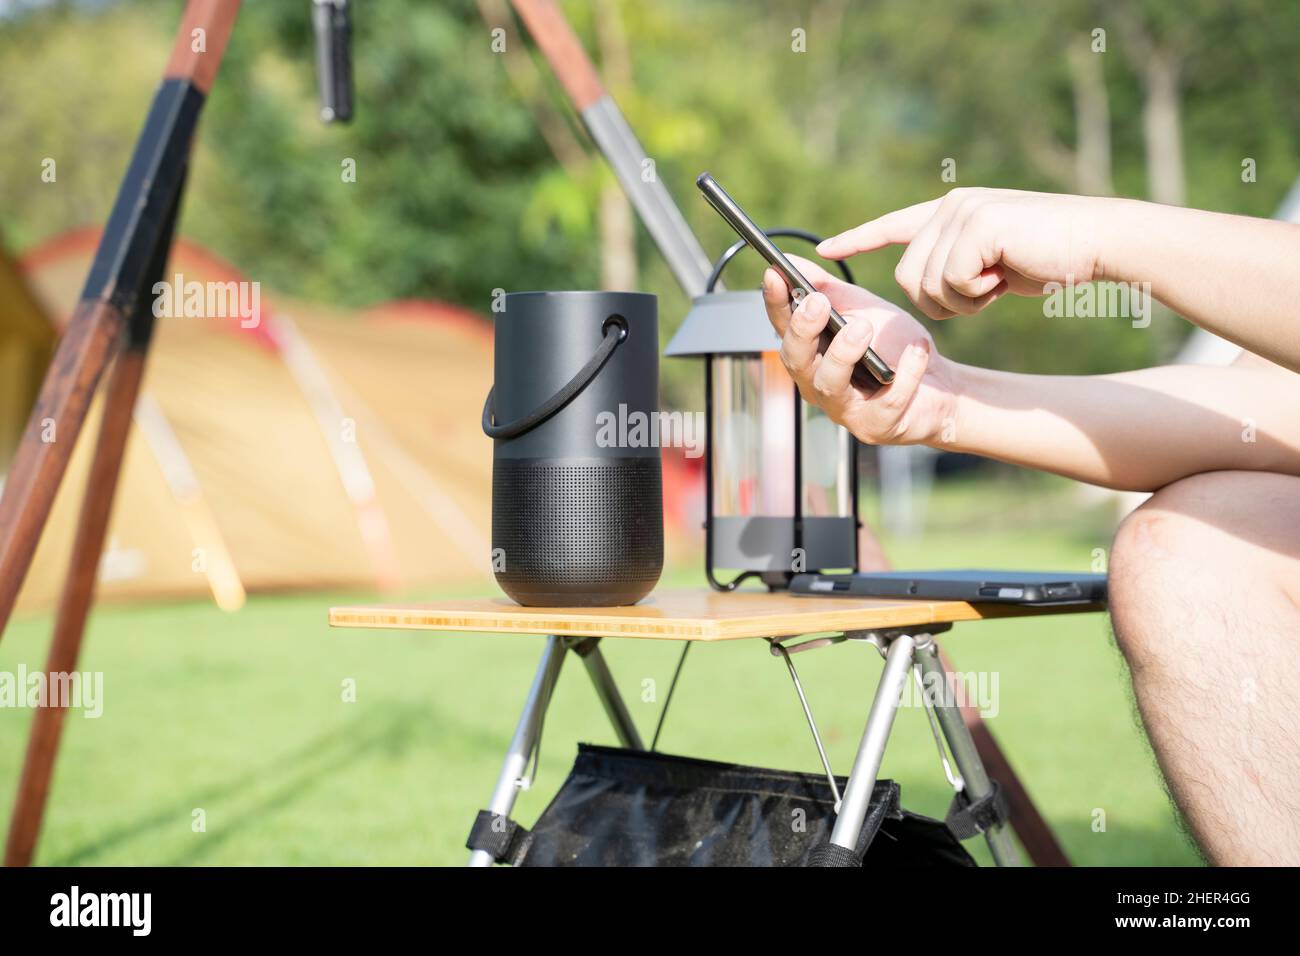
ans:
(617, 227)
(471, 174)
(456, 194)
(58, 109)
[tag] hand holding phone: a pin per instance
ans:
(758, 240)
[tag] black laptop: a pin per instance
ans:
(978, 586)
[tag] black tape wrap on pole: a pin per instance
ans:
(615, 329)
(883, 805)
(833, 855)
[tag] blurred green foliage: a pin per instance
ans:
(457, 194)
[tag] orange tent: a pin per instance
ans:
(306, 450)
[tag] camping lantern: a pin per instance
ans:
(781, 479)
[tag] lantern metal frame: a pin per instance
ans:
(775, 580)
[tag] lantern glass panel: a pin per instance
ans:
(827, 465)
(753, 436)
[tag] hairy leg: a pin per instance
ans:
(1205, 599)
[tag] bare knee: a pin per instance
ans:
(1204, 542)
(1146, 583)
(1203, 584)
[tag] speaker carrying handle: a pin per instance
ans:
(615, 331)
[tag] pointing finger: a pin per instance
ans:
(893, 227)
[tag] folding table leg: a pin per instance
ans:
(1036, 838)
(866, 765)
(589, 650)
(962, 747)
(525, 738)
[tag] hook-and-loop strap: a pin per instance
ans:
(500, 837)
(967, 818)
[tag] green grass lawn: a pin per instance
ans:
(243, 717)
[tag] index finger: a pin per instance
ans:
(898, 226)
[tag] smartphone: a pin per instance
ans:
(758, 240)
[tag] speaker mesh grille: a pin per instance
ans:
(595, 526)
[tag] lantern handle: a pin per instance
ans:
(739, 244)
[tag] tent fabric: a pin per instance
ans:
(315, 450)
(26, 346)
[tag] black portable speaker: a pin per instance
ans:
(577, 487)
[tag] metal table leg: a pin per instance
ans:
(589, 650)
(962, 747)
(866, 765)
(525, 738)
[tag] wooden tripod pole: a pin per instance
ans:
(84, 351)
(74, 605)
(578, 76)
(83, 566)
(115, 305)
(143, 203)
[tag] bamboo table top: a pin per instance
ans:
(686, 615)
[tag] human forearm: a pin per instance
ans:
(1235, 276)
(1134, 430)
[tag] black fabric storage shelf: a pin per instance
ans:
(633, 808)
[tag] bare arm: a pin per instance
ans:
(1135, 431)
(1233, 275)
